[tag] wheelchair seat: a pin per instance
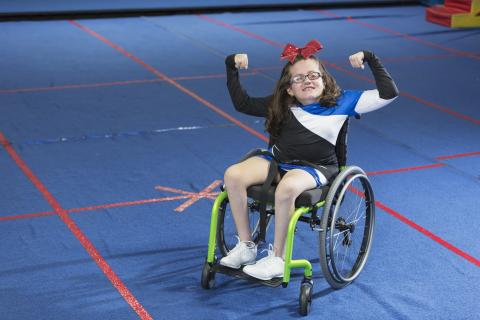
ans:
(306, 199)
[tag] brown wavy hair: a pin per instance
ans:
(282, 101)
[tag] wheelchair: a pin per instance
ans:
(342, 213)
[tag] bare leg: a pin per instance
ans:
(290, 187)
(237, 179)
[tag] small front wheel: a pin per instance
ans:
(208, 276)
(305, 299)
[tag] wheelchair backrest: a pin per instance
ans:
(341, 145)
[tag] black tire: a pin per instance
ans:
(347, 227)
(305, 299)
(208, 276)
(226, 230)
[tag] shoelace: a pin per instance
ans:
(269, 252)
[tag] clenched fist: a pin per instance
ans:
(241, 61)
(356, 60)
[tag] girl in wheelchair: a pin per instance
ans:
(304, 117)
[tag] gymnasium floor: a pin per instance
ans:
(115, 135)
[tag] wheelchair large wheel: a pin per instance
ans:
(347, 227)
(226, 230)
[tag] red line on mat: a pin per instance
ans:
(171, 81)
(188, 193)
(28, 215)
(121, 83)
(461, 155)
(92, 251)
(419, 228)
(214, 76)
(402, 35)
(126, 203)
(197, 196)
(429, 166)
(97, 207)
(429, 234)
(418, 57)
(78, 86)
(245, 32)
(439, 107)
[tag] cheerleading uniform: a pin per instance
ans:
(310, 132)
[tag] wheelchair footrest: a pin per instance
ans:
(238, 273)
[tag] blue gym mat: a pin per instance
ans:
(115, 135)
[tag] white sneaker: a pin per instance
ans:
(267, 268)
(245, 252)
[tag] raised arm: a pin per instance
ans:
(240, 98)
(386, 91)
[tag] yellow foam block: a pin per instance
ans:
(467, 20)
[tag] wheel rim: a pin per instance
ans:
(350, 229)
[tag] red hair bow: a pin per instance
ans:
(290, 52)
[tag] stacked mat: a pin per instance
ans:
(455, 13)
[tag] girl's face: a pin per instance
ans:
(306, 83)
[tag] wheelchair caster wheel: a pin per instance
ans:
(305, 299)
(208, 276)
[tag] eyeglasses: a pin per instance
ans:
(299, 78)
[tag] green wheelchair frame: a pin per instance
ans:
(335, 228)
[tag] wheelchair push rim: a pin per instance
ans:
(347, 227)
